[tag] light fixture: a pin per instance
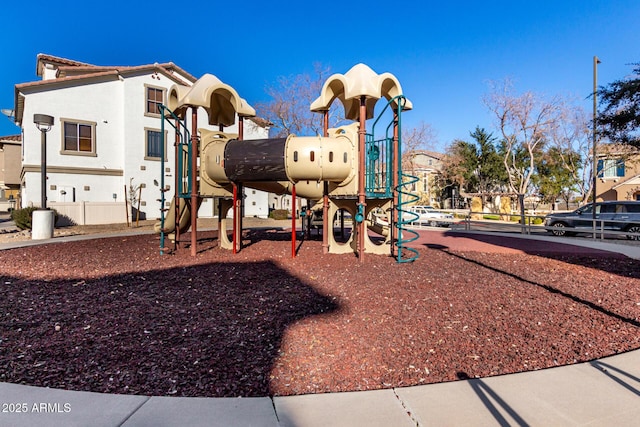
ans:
(43, 122)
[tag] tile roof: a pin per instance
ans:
(64, 79)
(68, 66)
(14, 138)
(434, 154)
(259, 121)
(70, 71)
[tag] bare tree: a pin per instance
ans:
(572, 138)
(292, 96)
(414, 140)
(456, 165)
(525, 122)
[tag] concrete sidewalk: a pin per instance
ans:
(604, 392)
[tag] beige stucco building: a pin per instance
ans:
(10, 165)
(426, 166)
(618, 173)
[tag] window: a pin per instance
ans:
(153, 145)
(78, 137)
(155, 97)
(609, 208)
(610, 168)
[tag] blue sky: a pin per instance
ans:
(442, 52)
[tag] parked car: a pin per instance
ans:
(315, 218)
(428, 215)
(612, 216)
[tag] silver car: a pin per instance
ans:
(428, 215)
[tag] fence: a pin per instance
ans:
(595, 228)
(91, 213)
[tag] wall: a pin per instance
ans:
(117, 107)
(91, 213)
(10, 155)
(93, 176)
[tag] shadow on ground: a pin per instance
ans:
(610, 262)
(206, 330)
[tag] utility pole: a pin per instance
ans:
(596, 61)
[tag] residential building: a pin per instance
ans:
(427, 167)
(618, 173)
(10, 154)
(106, 138)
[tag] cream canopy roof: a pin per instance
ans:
(220, 100)
(359, 81)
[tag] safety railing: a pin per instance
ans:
(183, 149)
(534, 224)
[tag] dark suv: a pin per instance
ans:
(613, 216)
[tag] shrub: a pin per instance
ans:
(528, 220)
(491, 217)
(279, 214)
(22, 217)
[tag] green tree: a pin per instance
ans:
(619, 118)
(459, 163)
(476, 166)
(553, 178)
(489, 174)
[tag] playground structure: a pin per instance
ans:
(345, 168)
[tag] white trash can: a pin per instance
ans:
(42, 224)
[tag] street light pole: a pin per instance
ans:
(43, 219)
(596, 61)
(43, 123)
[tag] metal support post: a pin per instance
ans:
(293, 221)
(361, 226)
(325, 195)
(194, 181)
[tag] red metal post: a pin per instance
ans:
(293, 221)
(194, 181)
(240, 128)
(325, 196)
(361, 177)
(235, 212)
(220, 230)
(237, 217)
